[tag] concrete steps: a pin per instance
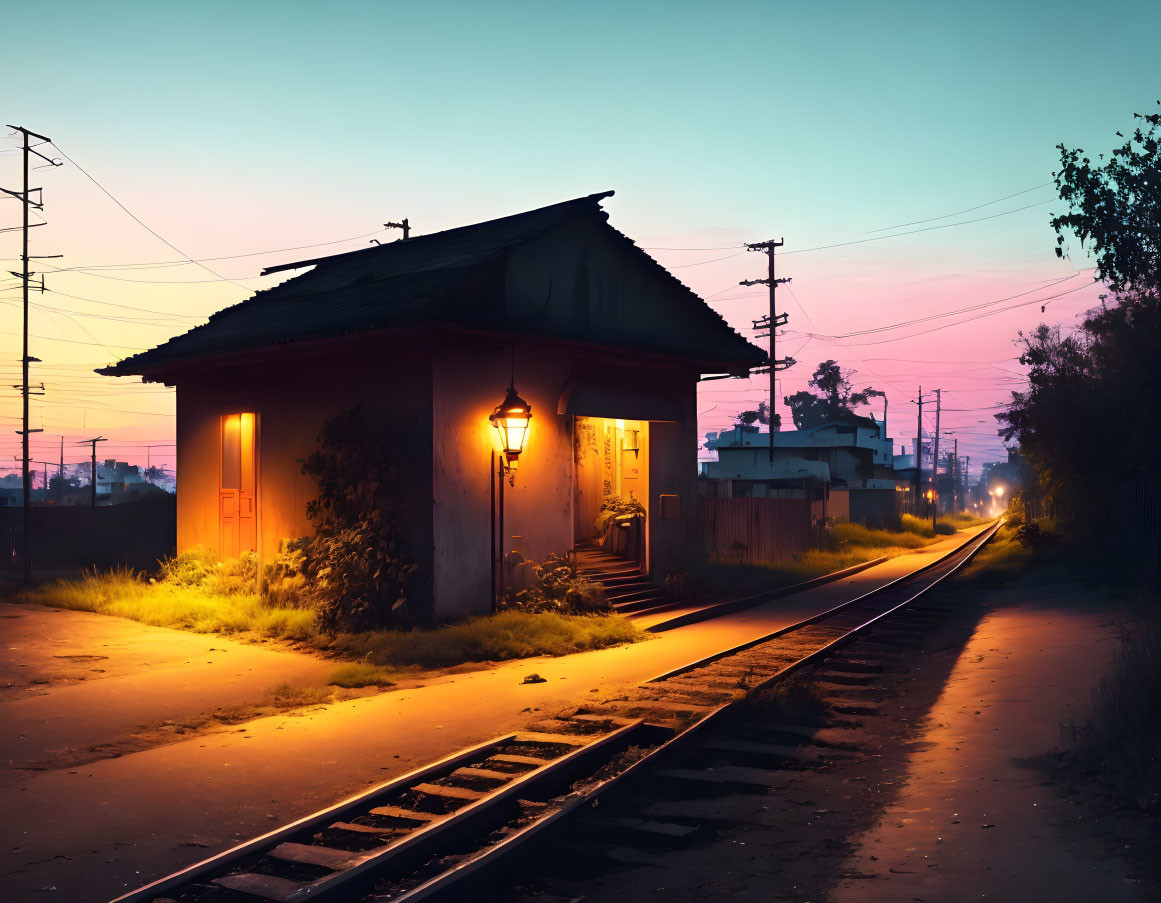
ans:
(628, 588)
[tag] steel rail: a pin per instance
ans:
(417, 842)
(814, 619)
(444, 883)
(478, 817)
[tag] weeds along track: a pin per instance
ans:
(424, 835)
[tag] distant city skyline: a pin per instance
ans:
(233, 129)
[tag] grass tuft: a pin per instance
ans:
(359, 674)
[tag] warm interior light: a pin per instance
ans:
(511, 419)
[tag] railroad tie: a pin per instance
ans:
(312, 854)
(399, 812)
(520, 760)
(459, 793)
(268, 887)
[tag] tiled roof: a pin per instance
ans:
(422, 281)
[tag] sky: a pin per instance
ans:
(903, 151)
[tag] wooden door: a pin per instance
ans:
(588, 438)
(237, 511)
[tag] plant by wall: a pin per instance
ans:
(356, 558)
(614, 507)
(559, 588)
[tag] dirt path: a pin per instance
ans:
(75, 685)
(976, 820)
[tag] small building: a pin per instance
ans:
(845, 465)
(426, 334)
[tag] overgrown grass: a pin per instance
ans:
(847, 534)
(222, 606)
(502, 636)
(848, 544)
(126, 594)
(1001, 560)
(1122, 737)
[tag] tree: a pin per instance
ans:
(747, 419)
(1116, 207)
(835, 397)
(1088, 420)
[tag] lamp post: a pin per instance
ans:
(510, 418)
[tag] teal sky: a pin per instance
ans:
(236, 127)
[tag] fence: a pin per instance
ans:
(134, 534)
(753, 531)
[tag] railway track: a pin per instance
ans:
(421, 836)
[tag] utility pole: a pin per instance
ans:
(955, 479)
(25, 197)
(935, 462)
(93, 443)
(771, 321)
(919, 450)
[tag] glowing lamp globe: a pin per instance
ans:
(511, 419)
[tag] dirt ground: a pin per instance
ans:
(76, 687)
(943, 797)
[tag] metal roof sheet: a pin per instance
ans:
(421, 281)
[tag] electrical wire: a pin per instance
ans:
(141, 223)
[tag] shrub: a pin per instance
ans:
(189, 568)
(356, 556)
(559, 588)
(287, 582)
(912, 524)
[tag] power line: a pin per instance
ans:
(949, 313)
(139, 222)
(966, 222)
(932, 219)
(176, 263)
(961, 322)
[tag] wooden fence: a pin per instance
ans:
(134, 534)
(754, 531)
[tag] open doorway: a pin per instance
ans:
(238, 471)
(612, 462)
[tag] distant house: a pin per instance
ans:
(427, 334)
(846, 463)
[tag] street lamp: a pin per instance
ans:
(511, 419)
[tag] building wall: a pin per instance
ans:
(293, 396)
(469, 377)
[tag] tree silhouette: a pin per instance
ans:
(1116, 207)
(835, 397)
(747, 419)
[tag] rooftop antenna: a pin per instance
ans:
(405, 226)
